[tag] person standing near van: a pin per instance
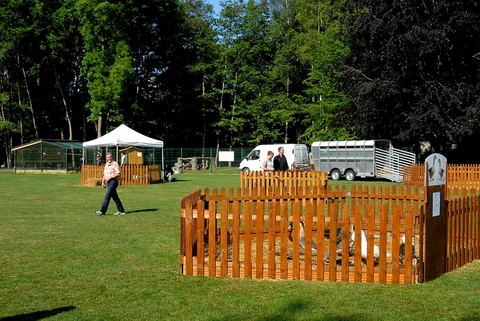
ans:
(280, 161)
(267, 164)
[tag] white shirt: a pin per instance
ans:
(269, 164)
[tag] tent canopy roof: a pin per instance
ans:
(124, 136)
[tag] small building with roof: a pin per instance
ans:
(48, 156)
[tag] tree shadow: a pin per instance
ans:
(38, 315)
(291, 312)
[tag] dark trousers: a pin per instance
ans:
(112, 193)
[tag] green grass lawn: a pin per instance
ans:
(60, 260)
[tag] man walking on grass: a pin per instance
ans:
(111, 174)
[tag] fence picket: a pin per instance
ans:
(212, 237)
(200, 244)
(284, 240)
(188, 238)
(271, 238)
(308, 223)
(259, 223)
(396, 214)
(248, 238)
(332, 264)
(383, 215)
(358, 245)
(408, 259)
(236, 239)
(296, 209)
(319, 209)
(345, 223)
(370, 243)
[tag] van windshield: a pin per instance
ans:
(254, 155)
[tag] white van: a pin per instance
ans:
(293, 152)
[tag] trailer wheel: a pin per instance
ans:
(335, 173)
(350, 175)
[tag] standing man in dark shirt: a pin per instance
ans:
(280, 161)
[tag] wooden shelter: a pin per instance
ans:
(48, 156)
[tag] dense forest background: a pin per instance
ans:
(261, 71)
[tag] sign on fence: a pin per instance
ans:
(226, 156)
(435, 217)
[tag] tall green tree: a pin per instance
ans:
(64, 53)
(162, 95)
(250, 113)
(321, 47)
(107, 63)
(200, 22)
(39, 63)
(286, 74)
(415, 72)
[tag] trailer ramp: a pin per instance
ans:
(389, 163)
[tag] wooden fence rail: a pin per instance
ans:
(224, 233)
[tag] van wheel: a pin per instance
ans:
(335, 173)
(246, 170)
(350, 175)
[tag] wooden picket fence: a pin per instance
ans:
(132, 174)
(458, 176)
(284, 182)
(463, 228)
(258, 233)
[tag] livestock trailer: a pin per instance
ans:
(361, 158)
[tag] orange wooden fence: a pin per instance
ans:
(458, 176)
(266, 228)
(132, 174)
(232, 233)
(463, 229)
(284, 182)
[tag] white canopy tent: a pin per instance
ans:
(124, 136)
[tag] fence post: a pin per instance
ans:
(435, 263)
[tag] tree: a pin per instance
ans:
(39, 63)
(321, 47)
(107, 63)
(415, 72)
(203, 39)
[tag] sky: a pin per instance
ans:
(216, 5)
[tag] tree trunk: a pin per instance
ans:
(30, 103)
(68, 113)
(99, 126)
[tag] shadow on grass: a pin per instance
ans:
(39, 314)
(141, 211)
(291, 313)
(178, 180)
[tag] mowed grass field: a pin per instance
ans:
(60, 261)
